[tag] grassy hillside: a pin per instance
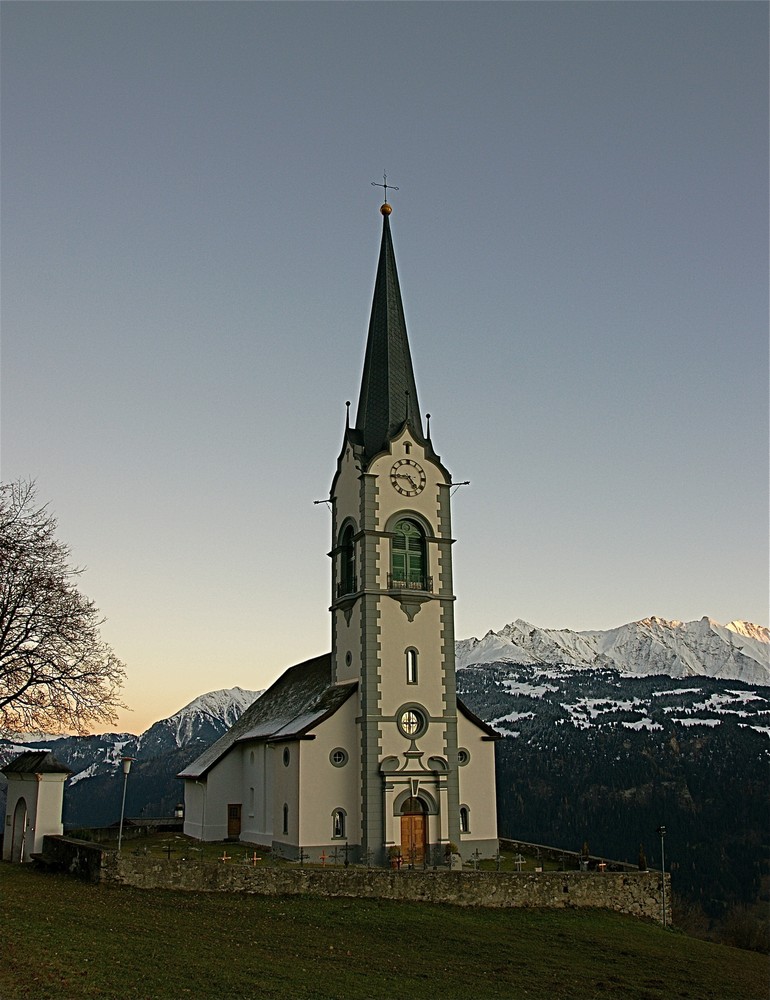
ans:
(64, 939)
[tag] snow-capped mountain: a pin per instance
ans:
(204, 719)
(737, 651)
(160, 752)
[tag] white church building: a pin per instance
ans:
(367, 748)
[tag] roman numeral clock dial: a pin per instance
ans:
(407, 477)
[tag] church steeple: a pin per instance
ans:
(388, 398)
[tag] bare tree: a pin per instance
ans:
(55, 671)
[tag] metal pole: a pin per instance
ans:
(662, 831)
(126, 763)
(122, 810)
(663, 870)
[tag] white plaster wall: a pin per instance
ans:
(391, 501)
(257, 814)
(20, 786)
(398, 633)
(324, 787)
(477, 781)
(48, 821)
(194, 808)
(347, 487)
(224, 786)
(347, 491)
(285, 791)
(43, 795)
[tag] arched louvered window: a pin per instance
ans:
(408, 561)
(347, 583)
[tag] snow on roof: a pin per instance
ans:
(302, 697)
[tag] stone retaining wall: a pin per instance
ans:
(638, 894)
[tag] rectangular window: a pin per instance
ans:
(411, 666)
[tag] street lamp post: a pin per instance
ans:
(127, 761)
(661, 831)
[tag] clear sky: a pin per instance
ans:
(189, 240)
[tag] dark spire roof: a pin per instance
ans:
(388, 396)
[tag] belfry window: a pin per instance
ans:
(408, 561)
(347, 584)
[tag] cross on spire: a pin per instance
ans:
(385, 185)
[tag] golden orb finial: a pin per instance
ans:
(385, 209)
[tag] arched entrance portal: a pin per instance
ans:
(19, 831)
(414, 831)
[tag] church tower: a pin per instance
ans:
(392, 594)
(366, 750)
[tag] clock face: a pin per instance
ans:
(407, 477)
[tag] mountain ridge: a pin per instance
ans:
(737, 651)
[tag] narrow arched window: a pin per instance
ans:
(347, 563)
(465, 819)
(338, 824)
(408, 562)
(285, 818)
(411, 666)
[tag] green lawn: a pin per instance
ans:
(60, 938)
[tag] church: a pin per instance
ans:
(367, 749)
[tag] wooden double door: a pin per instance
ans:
(414, 832)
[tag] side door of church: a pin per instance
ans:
(234, 820)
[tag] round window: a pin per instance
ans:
(463, 757)
(286, 756)
(412, 721)
(339, 757)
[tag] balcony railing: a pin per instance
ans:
(349, 586)
(424, 583)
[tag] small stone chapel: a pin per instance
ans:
(367, 749)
